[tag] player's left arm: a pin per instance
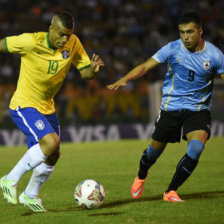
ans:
(95, 66)
(2, 46)
(222, 76)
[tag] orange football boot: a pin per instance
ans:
(137, 187)
(172, 196)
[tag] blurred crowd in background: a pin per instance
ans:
(123, 32)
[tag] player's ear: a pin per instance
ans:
(201, 31)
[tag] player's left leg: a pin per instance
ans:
(40, 175)
(196, 130)
(188, 163)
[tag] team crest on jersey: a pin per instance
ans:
(206, 65)
(65, 54)
(40, 124)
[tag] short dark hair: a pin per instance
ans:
(190, 16)
(66, 19)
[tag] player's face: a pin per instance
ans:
(190, 35)
(59, 35)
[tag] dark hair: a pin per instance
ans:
(66, 19)
(190, 16)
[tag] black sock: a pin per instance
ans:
(144, 166)
(183, 171)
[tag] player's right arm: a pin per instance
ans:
(2, 46)
(135, 73)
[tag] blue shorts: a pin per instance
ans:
(34, 124)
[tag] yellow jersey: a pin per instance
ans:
(42, 69)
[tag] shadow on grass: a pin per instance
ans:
(70, 209)
(200, 195)
(127, 201)
(106, 214)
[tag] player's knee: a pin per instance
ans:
(150, 155)
(50, 144)
(52, 159)
(195, 148)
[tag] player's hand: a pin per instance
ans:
(117, 84)
(96, 63)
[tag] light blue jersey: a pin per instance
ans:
(189, 80)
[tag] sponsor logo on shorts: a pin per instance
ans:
(40, 124)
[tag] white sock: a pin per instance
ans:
(40, 175)
(32, 158)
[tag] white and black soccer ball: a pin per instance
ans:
(89, 194)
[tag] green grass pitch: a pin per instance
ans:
(115, 165)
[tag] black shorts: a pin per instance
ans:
(170, 125)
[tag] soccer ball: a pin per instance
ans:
(89, 194)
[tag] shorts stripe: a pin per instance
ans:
(26, 124)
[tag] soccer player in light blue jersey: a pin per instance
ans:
(192, 64)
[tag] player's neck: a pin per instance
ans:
(52, 47)
(50, 44)
(200, 46)
(197, 48)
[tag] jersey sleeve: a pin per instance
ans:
(19, 44)
(162, 55)
(220, 63)
(81, 59)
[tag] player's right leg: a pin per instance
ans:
(148, 158)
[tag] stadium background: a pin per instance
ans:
(124, 33)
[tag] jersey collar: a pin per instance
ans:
(197, 52)
(48, 42)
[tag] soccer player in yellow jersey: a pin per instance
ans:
(45, 60)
